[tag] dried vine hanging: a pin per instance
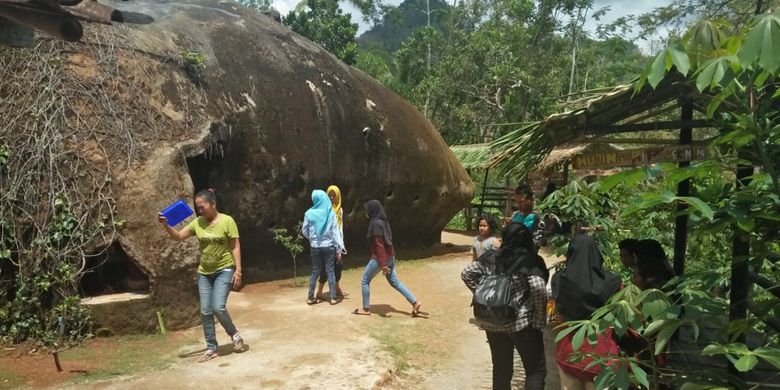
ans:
(75, 116)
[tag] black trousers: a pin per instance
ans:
(530, 346)
(336, 270)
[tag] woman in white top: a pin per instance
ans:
(485, 241)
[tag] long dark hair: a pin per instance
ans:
(652, 263)
(517, 244)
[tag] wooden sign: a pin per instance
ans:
(556, 177)
(636, 157)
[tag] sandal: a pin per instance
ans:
(208, 355)
(335, 301)
(416, 309)
(361, 312)
(312, 301)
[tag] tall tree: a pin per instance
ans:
(323, 22)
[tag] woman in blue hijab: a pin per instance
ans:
(320, 227)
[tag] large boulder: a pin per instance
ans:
(237, 102)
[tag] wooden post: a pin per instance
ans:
(508, 201)
(482, 195)
(467, 210)
(683, 189)
(740, 272)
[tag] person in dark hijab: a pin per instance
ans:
(580, 289)
(528, 288)
(584, 285)
(380, 242)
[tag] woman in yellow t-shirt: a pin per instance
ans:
(219, 268)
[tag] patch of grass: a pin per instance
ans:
(193, 58)
(399, 349)
(124, 355)
(410, 263)
(10, 379)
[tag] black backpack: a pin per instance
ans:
(493, 296)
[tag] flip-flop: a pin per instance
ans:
(208, 355)
(416, 310)
(361, 312)
(312, 301)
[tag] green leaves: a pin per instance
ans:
(672, 56)
(290, 240)
(762, 44)
(741, 357)
(677, 56)
(667, 197)
(771, 355)
(655, 72)
(705, 37)
(323, 22)
(746, 362)
(628, 177)
(716, 71)
(293, 242)
(655, 304)
(640, 375)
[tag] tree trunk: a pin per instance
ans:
(428, 58)
(575, 28)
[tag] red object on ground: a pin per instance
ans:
(605, 345)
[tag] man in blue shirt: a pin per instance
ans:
(524, 198)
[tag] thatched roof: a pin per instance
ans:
(59, 18)
(477, 156)
(603, 112)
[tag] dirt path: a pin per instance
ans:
(295, 346)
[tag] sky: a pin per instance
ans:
(618, 8)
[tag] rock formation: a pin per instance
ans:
(219, 96)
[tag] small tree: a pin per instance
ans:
(293, 242)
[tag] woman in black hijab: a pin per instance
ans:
(579, 290)
(380, 243)
(585, 285)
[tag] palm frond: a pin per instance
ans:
(521, 150)
(473, 156)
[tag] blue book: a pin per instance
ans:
(177, 212)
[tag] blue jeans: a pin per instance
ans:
(214, 290)
(322, 258)
(372, 269)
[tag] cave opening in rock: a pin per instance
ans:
(112, 271)
(206, 167)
